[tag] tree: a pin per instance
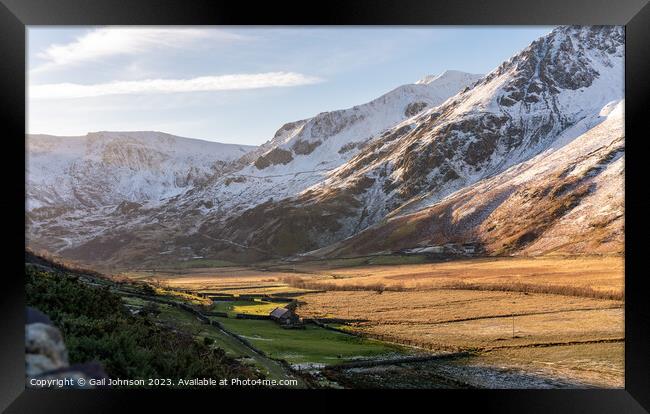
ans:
(292, 306)
(151, 308)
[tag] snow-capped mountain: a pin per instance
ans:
(553, 87)
(304, 152)
(565, 200)
(542, 97)
(124, 182)
(103, 168)
(443, 159)
(79, 186)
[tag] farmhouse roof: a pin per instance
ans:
(280, 313)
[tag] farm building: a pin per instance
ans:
(470, 248)
(284, 316)
(424, 250)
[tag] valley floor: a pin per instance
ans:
(524, 322)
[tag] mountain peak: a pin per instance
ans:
(446, 76)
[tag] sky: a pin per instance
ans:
(237, 84)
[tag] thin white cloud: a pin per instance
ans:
(201, 84)
(108, 42)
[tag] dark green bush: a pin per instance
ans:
(97, 326)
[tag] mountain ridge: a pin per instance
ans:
(469, 137)
(336, 176)
(104, 152)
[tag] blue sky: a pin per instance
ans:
(237, 84)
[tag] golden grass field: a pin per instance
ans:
(600, 364)
(233, 280)
(576, 331)
(601, 273)
(471, 319)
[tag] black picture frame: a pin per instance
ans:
(15, 15)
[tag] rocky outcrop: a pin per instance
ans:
(301, 147)
(414, 108)
(44, 347)
(328, 124)
(127, 207)
(273, 157)
(46, 357)
(352, 146)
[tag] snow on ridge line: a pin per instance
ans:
(96, 144)
(145, 135)
(448, 75)
(359, 123)
(105, 168)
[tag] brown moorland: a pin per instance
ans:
(557, 316)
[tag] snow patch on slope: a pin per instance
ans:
(109, 167)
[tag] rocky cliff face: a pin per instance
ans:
(473, 135)
(565, 200)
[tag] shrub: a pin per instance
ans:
(579, 291)
(96, 326)
(298, 282)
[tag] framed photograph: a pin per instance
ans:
(378, 200)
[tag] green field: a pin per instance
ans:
(181, 319)
(186, 321)
(313, 345)
(350, 262)
(134, 301)
(198, 263)
(397, 259)
(248, 307)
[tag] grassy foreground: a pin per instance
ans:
(97, 326)
(312, 345)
